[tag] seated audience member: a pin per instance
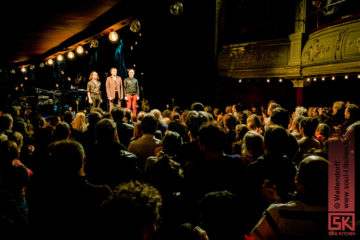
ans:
(240, 130)
(147, 145)
(131, 212)
(220, 215)
(14, 176)
(337, 117)
(161, 125)
(214, 171)
(305, 217)
(308, 127)
(89, 136)
(171, 144)
(352, 115)
(230, 123)
(61, 200)
(252, 147)
(280, 116)
(177, 126)
(108, 162)
(271, 106)
(189, 152)
(124, 130)
(253, 122)
(62, 131)
(274, 168)
(322, 133)
(295, 130)
(78, 126)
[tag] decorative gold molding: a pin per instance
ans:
(316, 50)
(333, 68)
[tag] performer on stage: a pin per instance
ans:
(131, 88)
(114, 85)
(93, 90)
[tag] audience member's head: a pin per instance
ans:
(79, 122)
(171, 143)
(106, 131)
(149, 124)
(68, 117)
(132, 210)
(323, 129)
(212, 138)
(338, 107)
(253, 145)
(308, 126)
(300, 111)
(240, 131)
(352, 111)
(230, 121)
(280, 116)
(67, 158)
(194, 120)
(93, 118)
(312, 180)
(117, 114)
(6, 122)
(253, 122)
(197, 106)
(276, 140)
(62, 131)
(271, 107)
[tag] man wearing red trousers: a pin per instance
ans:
(131, 88)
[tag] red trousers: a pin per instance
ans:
(131, 102)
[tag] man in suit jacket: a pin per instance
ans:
(114, 85)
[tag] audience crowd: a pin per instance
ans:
(196, 173)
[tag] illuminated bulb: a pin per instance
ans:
(17, 88)
(131, 47)
(71, 55)
(69, 78)
(13, 71)
(280, 80)
(57, 85)
(23, 69)
(25, 78)
(50, 62)
(136, 43)
(358, 75)
(80, 50)
(113, 36)
(333, 78)
(134, 65)
(346, 77)
(142, 74)
(42, 65)
(308, 79)
(323, 79)
(21, 85)
(268, 80)
(62, 72)
(315, 79)
(60, 58)
(139, 34)
(240, 80)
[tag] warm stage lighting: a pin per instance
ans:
(240, 80)
(268, 80)
(23, 69)
(358, 76)
(60, 58)
(80, 50)
(323, 79)
(308, 79)
(50, 62)
(280, 80)
(113, 36)
(71, 55)
(333, 78)
(346, 77)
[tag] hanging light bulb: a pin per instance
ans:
(346, 77)
(323, 79)
(358, 76)
(71, 55)
(60, 58)
(333, 78)
(50, 62)
(315, 79)
(308, 79)
(80, 50)
(135, 26)
(280, 80)
(23, 69)
(240, 80)
(113, 36)
(268, 80)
